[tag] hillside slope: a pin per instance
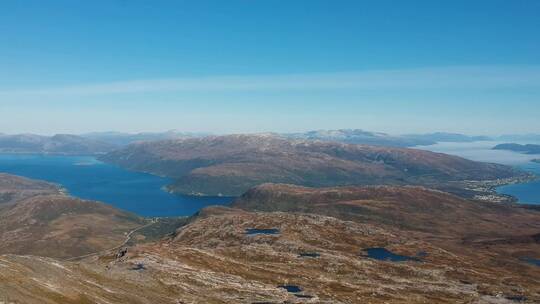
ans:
(414, 209)
(39, 220)
(230, 165)
(214, 260)
(15, 188)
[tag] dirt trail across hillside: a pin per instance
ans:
(126, 241)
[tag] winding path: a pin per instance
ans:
(128, 238)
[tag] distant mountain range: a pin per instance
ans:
(229, 165)
(527, 149)
(357, 136)
(351, 136)
(84, 144)
(103, 142)
(122, 139)
(57, 144)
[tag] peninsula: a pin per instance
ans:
(526, 149)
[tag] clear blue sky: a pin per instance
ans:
(252, 66)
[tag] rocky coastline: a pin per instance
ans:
(487, 190)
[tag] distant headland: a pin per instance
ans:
(527, 149)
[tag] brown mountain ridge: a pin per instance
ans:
(408, 208)
(230, 165)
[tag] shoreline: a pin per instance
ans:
(487, 190)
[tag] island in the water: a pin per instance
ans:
(527, 149)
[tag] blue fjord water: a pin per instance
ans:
(87, 178)
(527, 193)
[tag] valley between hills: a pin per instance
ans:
(307, 216)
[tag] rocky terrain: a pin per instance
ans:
(276, 244)
(36, 218)
(58, 144)
(229, 165)
(527, 149)
(413, 209)
(320, 259)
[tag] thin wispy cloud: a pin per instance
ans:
(466, 77)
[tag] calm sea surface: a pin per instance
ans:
(87, 178)
(528, 193)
